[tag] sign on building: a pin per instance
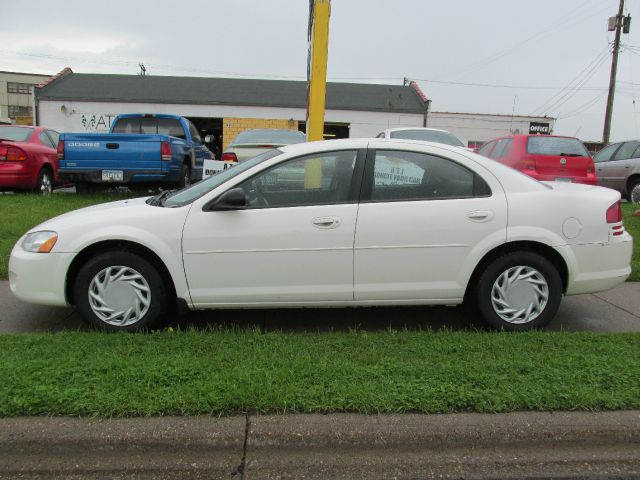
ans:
(539, 127)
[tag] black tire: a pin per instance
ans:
(531, 261)
(158, 296)
(185, 177)
(634, 192)
(44, 185)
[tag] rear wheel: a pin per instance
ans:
(519, 291)
(634, 192)
(44, 185)
(185, 177)
(120, 291)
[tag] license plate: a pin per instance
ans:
(112, 175)
(563, 179)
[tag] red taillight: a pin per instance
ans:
(614, 213)
(229, 157)
(165, 151)
(60, 149)
(12, 154)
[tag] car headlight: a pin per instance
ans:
(39, 242)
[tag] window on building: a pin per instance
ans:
(13, 87)
(18, 111)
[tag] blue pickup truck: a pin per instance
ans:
(139, 150)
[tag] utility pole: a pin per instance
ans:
(617, 23)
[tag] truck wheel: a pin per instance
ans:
(120, 291)
(185, 177)
(44, 186)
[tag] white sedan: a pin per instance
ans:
(331, 224)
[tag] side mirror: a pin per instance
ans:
(208, 139)
(234, 199)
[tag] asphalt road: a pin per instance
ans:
(347, 446)
(617, 310)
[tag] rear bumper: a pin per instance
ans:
(587, 180)
(16, 175)
(597, 267)
(129, 176)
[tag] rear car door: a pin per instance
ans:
(620, 165)
(602, 163)
(425, 220)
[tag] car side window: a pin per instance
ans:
(380, 135)
(44, 138)
(606, 153)
(195, 135)
(406, 176)
(54, 136)
(318, 179)
(625, 151)
(486, 148)
(502, 148)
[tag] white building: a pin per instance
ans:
(75, 102)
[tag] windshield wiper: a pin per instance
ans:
(159, 199)
(571, 155)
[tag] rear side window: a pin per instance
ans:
(606, 153)
(44, 138)
(625, 152)
(502, 148)
(545, 145)
(161, 126)
(406, 176)
(486, 148)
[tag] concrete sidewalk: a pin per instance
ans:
(513, 445)
(617, 310)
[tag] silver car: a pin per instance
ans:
(618, 167)
(251, 143)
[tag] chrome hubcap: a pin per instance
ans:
(519, 295)
(45, 184)
(119, 296)
(635, 194)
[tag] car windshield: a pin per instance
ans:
(280, 137)
(15, 134)
(195, 191)
(545, 145)
(437, 136)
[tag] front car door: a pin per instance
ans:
(620, 164)
(426, 218)
(293, 243)
(603, 167)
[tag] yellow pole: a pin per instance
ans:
(317, 86)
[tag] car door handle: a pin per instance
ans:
(327, 222)
(627, 166)
(480, 215)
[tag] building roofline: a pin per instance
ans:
(26, 73)
(504, 115)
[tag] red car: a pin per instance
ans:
(28, 158)
(544, 157)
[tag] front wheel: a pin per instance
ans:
(519, 291)
(120, 291)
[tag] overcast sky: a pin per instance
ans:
(498, 56)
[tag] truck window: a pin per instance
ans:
(162, 126)
(171, 127)
(194, 132)
(127, 125)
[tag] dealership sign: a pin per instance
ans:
(211, 167)
(539, 127)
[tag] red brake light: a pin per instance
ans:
(60, 150)
(14, 154)
(165, 151)
(229, 157)
(3, 153)
(614, 213)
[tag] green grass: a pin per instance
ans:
(632, 225)
(230, 371)
(19, 213)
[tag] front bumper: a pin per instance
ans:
(39, 277)
(596, 267)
